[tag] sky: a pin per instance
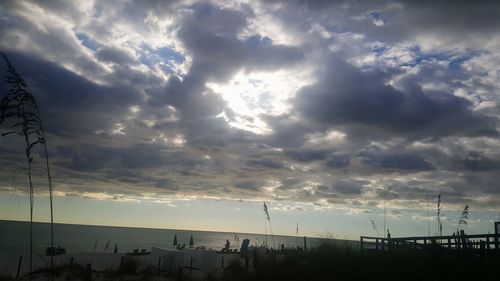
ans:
(191, 114)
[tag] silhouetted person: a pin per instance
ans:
(228, 244)
(116, 249)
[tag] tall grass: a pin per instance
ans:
(19, 108)
(438, 214)
(374, 227)
(331, 262)
(268, 219)
(463, 217)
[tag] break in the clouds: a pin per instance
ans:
(327, 103)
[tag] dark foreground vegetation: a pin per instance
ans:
(326, 262)
(331, 263)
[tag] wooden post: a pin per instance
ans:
(305, 244)
(19, 266)
(462, 239)
(383, 244)
(487, 242)
(449, 243)
(361, 243)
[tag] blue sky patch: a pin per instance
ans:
(150, 56)
(87, 41)
(171, 55)
(164, 56)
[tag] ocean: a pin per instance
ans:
(14, 238)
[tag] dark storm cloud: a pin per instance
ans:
(395, 161)
(266, 163)
(457, 17)
(451, 21)
(71, 104)
(338, 161)
(307, 155)
(288, 133)
(345, 187)
(167, 184)
(347, 96)
(388, 193)
(290, 183)
(341, 189)
(249, 185)
(475, 161)
(210, 34)
(188, 97)
(116, 160)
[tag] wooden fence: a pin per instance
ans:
(480, 243)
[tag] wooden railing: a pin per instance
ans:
(475, 242)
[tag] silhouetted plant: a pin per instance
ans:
(19, 107)
(268, 219)
(374, 227)
(129, 264)
(331, 262)
(463, 217)
(440, 225)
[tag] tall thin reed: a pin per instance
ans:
(268, 218)
(374, 227)
(428, 217)
(385, 210)
(440, 225)
(463, 217)
(20, 107)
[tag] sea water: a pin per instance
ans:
(15, 238)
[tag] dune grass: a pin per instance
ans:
(19, 110)
(329, 262)
(326, 262)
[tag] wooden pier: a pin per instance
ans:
(475, 243)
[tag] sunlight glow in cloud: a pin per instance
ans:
(251, 95)
(322, 104)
